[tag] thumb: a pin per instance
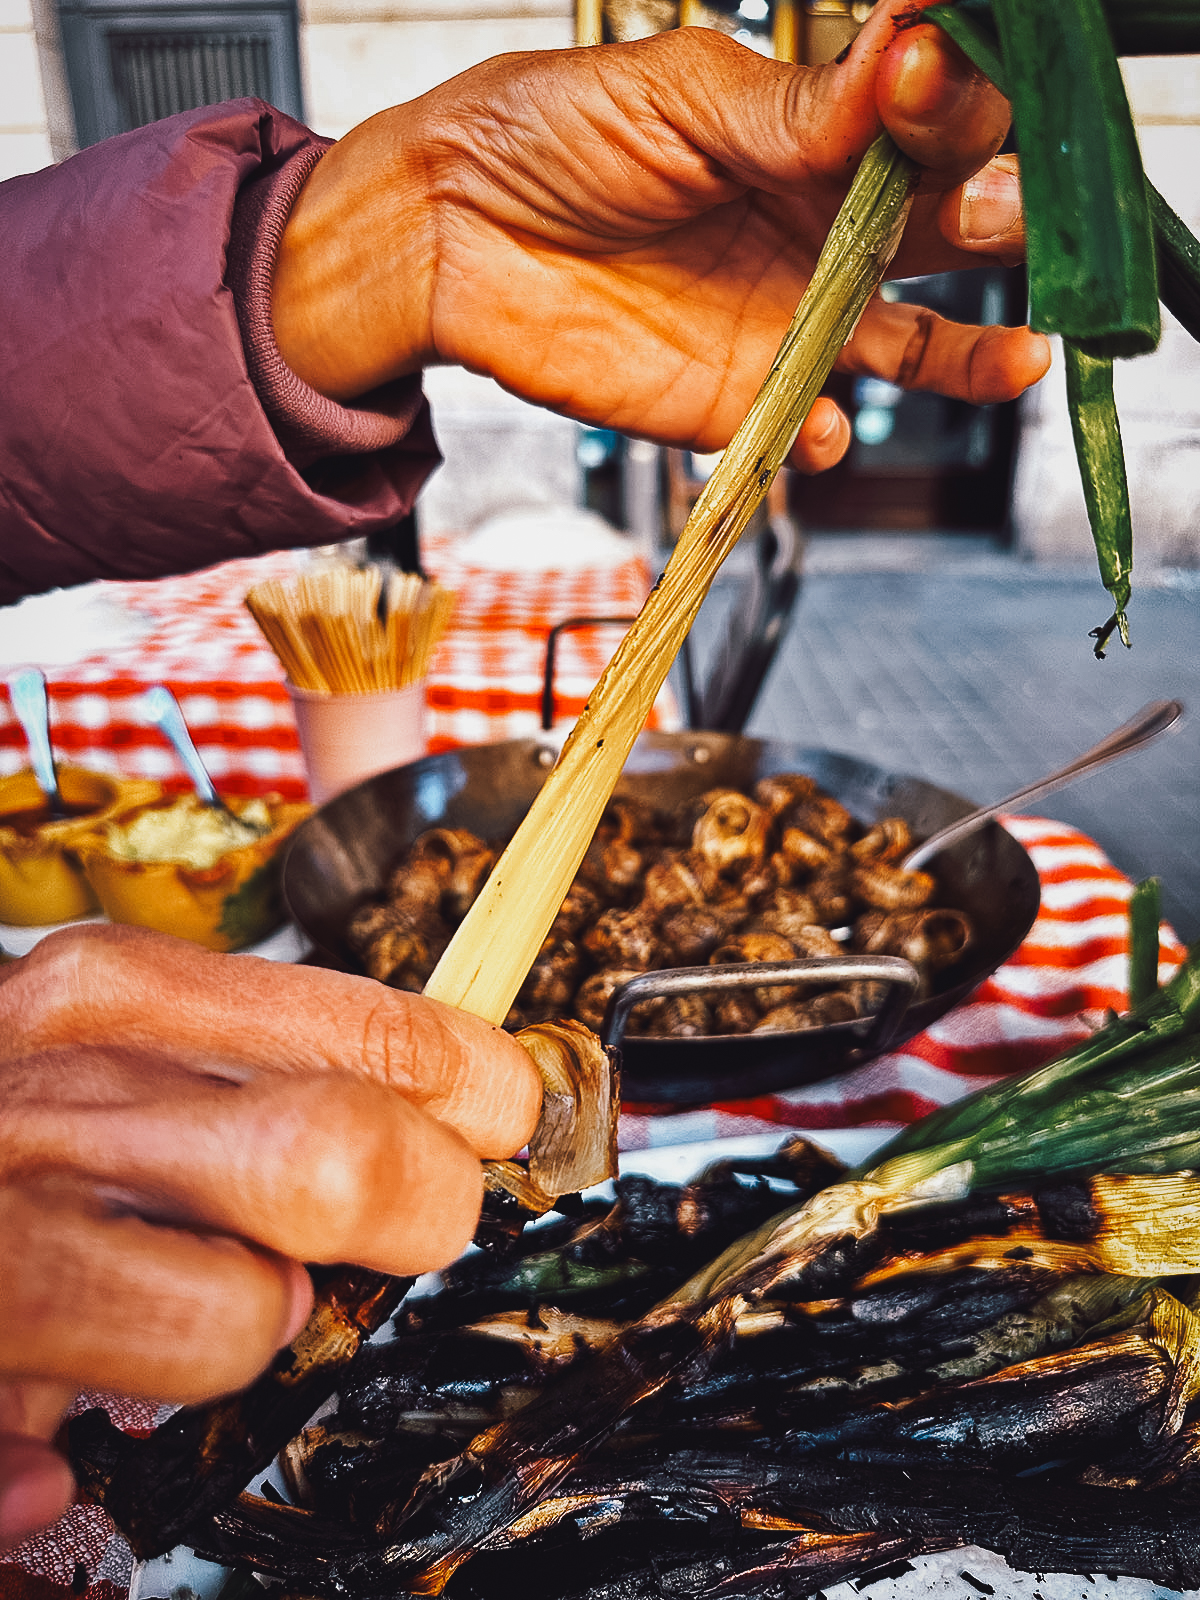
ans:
(910, 78)
(36, 1487)
(936, 105)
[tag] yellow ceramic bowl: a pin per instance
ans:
(41, 879)
(227, 906)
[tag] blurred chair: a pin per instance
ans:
(759, 611)
(758, 616)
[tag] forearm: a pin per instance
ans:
(133, 441)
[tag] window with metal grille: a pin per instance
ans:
(156, 74)
(130, 63)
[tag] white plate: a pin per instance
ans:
(180, 1575)
(285, 944)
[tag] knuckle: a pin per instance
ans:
(386, 1045)
(384, 1184)
(912, 359)
(347, 1154)
(52, 990)
(38, 990)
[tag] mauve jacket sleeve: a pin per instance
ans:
(142, 432)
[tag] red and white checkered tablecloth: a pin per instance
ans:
(485, 685)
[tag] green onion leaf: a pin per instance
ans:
(1178, 262)
(1097, 434)
(1090, 247)
(1145, 917)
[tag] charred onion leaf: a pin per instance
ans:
(726, 1524)
(574, 1145)
(157, 1489)
(617, 1259)
(1132, 1384)
(505, 1471)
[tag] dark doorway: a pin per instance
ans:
(918, 461)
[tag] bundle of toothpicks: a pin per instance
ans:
(340, 629)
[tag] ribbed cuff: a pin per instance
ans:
(308, 425)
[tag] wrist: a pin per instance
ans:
(353, 278)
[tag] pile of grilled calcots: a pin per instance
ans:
(774, 1377)
(725, 878)
(777, 1376)
(960, 1373)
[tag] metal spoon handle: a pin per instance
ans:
(163, 711)
(1149, 722)
(27, 690)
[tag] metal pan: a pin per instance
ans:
(343, 853)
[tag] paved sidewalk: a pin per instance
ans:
(958, 663)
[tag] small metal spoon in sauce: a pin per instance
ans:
(27, 690)
(162, 709)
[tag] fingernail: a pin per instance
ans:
(929, 79)
(833, 421)
(990, 207)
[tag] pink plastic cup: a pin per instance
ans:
(345, 738)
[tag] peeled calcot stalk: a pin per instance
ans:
(496, 943)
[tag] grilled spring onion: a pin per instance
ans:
(730, 1526)
(1129, 1382)
(1125, 1101)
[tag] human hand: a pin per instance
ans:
(179, 1131)
(622, 233)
